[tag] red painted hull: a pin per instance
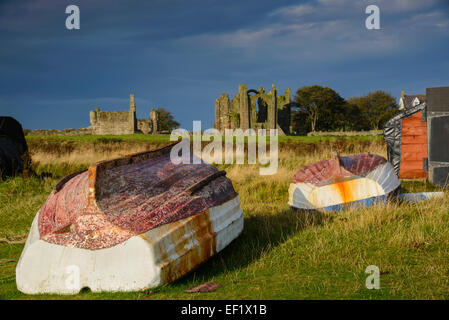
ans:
(115, 200)
(338, 169)
(334, 184)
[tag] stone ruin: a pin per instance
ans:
(123, 122)
(110, 122)
(254, 109)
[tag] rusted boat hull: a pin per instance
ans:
(336, 184)
(150, 259)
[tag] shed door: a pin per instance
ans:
(439, 149)
(413, 147)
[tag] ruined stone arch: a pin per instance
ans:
(255, 109)
(260, 104)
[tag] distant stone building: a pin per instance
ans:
(408, 101)
(254, 109)
(123, 122)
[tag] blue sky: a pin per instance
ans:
(181, 55)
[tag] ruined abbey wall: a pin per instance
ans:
(149, 125)
(254, 109)
(109, 122)
(123, 122)
(113, 122)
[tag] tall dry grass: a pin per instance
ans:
(292, 154)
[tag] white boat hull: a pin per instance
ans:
(365, 191)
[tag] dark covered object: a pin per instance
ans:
(440, 176)
(438, 120)
(12, 146)
(393, 135)
(439, 139)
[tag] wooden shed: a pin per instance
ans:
(406, 137)
(414, 147)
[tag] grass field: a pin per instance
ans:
(282, 254)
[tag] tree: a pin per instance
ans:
(322, 108)
(354, 119)
(166, 120)
(299, 123)
(375, 108)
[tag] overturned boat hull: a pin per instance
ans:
(339, 183)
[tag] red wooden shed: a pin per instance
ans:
(414, 146)
(406, 137)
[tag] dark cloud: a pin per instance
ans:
(182, 54)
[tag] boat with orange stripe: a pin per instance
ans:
(340, 182)
(129, 224)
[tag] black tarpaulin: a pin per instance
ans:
(12, 146)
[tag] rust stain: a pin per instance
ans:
(204, 246)
(92, 178)
(345, 190)
(142, 235)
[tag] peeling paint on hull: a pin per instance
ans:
(120, 198)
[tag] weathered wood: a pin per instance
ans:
(418, 148)
(414, 156)
(205, 181)
(413, 173)
(414, 140)
(413, 147)
(412, 164)
(414, 131)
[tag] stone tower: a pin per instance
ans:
(244, 108)
(132, 114)
(154, 117)
(272, 109)
(94, 117)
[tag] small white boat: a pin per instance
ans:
(335, 184)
